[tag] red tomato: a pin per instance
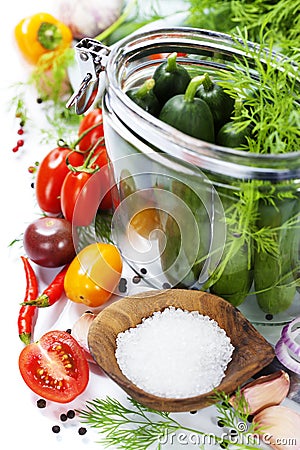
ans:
(165, 55)
(80, 197)
(55, 367)
(50, 176)
(102, 161)
(92, 118)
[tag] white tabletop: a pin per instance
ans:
(23, 424)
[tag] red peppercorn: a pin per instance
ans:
(20, 131)
(20, 142)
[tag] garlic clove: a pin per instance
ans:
(279, 427)
(265, 391)
(81, 327)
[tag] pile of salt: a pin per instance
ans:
(174, 353)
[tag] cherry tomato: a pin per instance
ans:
(95, 117)
(50, 176)
(50, 241)
(145, 222)
(55, 367)
(92, 118)
(165, 55)
(102, 161)
(93, 274)
(80, 197)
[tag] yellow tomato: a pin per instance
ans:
(146, 221)
(94, 274)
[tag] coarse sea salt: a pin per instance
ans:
(174, 353)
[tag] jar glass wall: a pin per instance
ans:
(194, 214)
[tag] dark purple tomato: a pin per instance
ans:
(50, 242)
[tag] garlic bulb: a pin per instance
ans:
(81, 327)
(280, 427)
(88, 18)
(266, 391)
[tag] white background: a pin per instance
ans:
(23, 424)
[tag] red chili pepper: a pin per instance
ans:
(27, 312)
(52, 293)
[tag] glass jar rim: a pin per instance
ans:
(235, 163)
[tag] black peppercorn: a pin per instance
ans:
(56, 429)
(41, 403)
(71, 414)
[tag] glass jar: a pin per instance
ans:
(193, 214)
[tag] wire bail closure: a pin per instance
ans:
(91, 57)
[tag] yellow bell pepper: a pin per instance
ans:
(41, 33)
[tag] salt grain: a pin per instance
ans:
(174, 353)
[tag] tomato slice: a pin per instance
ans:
(55, 367)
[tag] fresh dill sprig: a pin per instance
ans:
(18, 102)
(263, 19)
(268, 93)
(137, 427)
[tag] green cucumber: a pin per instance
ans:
(170, 79)
(274, 277)
(229, 134)
(233, 277)
(236, 278)
(220, 103)
(145, 97)
(189, 114)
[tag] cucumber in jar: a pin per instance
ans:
(170, 79)
(275, 269)
(189, 114)
(219, 102)
(145, 97)
(233, 277)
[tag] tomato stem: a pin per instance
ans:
(87, 131)
(89, 162)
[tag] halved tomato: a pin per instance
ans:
(55, 367)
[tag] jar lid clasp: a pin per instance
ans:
(91, 57)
